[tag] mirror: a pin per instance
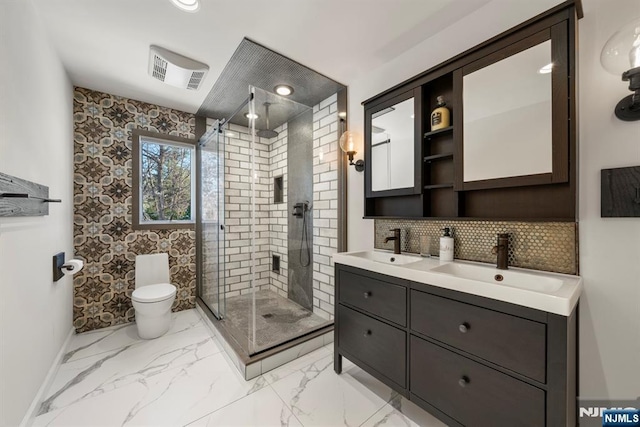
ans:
(393, 147)
(507, 122)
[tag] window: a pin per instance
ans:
(163, 181)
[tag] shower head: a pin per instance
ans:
(267, 133)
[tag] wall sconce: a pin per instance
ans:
(347, 145)
(621, 54)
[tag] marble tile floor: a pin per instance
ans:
(110, 377)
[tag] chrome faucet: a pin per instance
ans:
(396, 240)
(502, 251)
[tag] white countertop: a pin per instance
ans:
(557, 293)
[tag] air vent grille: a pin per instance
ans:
(159, 68)
(195, 80)
(176, 70)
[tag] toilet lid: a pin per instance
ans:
(153, 293)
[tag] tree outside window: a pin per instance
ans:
(165, 170)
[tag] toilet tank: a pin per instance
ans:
(152, 269)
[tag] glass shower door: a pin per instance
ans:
(210, 220)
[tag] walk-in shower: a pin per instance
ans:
(267, 219)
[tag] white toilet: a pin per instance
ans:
(153, 296)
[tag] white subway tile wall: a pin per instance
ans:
(237, 212)
(325, 204)
(278, 212)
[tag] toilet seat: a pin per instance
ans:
(154, 293)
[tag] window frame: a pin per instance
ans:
(138, 136)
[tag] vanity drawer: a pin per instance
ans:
(377, 344)
(383, 299)
(509, 341)
(471, 393)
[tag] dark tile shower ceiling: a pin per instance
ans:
(255, 65)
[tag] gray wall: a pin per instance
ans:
(300, 189)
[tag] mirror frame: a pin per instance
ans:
(558, 35)
(387, 102)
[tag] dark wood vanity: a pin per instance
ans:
(484, 174)
(468, 360)
(509, 153)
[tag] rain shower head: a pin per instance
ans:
(267, 133)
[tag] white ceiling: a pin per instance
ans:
(104, 44)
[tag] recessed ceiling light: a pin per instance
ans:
(413, 116)
(251, 116)
(283, 90)
(187, 5)
(546, 69)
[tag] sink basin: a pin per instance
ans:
(550, 292)
(516, 279)
(386, 257)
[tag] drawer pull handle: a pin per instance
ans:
(367, 294)
(367, 333)
(464, 327)
(462, 382)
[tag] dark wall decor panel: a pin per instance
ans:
(620, 192)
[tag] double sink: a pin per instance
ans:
(551, 292)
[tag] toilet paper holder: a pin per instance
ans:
(59, 267)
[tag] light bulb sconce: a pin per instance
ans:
(359, 164)
(347, 145)
(621, 55)
(628, 109)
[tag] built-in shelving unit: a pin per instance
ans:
(439, 190)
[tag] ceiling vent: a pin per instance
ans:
(176, 70)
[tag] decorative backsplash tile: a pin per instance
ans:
(547, 246)
(103, 236)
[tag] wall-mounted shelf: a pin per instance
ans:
(429, 159)
(436, 186)
(19, 197)
(431, 134)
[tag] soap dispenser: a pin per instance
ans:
(446, 245)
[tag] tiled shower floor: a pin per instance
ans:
(278, 319)
(112, 378)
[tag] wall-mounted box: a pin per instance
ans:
(620, 192)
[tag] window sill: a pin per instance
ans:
(164, 226)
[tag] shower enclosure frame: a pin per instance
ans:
(215, 132)
(341, 219)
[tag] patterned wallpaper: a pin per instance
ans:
(547, 246)
(103, 236)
